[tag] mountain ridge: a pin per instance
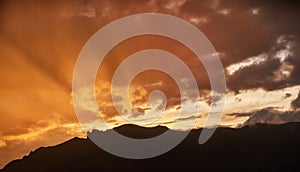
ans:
(275, 145)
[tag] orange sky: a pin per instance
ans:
(40, 42)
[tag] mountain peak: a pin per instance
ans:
(136, 131)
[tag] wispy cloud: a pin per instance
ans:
(247, 62)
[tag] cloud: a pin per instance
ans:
(256, 60)
(255, 11)
(224, 11)
(198, 20)
(270, 71)
(256, 99)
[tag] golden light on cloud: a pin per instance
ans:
(72, 129)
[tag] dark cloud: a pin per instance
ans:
(265, 75)
(241, 34)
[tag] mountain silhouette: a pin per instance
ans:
(260, 147)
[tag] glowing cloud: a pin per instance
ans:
(247, 62)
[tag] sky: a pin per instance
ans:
(257, 42)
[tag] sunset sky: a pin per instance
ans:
(257, 42)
